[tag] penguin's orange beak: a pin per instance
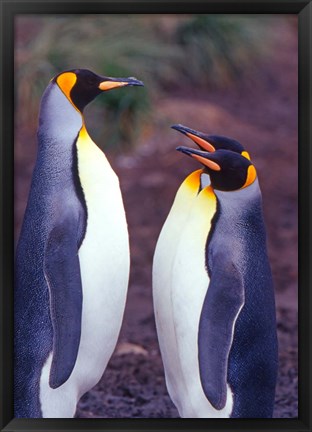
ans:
(201, 156)
(109, 83)
(195, 136)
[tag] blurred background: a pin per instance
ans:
(233, 75)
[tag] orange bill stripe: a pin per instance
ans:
(210, 164)
(108, 85)
(205, 145)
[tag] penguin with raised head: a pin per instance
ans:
(72, 259)
(169, 240)
(213, 292)
(211, 143)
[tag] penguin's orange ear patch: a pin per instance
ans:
(246, 154)
(207, 162)
(66, 82)
(205, 145)
(251, 176)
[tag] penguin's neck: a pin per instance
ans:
(235, 198)
(241, 204)
(59, 120)
(204, 180)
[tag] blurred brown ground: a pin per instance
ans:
(264, 119)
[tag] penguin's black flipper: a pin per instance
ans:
(224, 298)
(62, 271)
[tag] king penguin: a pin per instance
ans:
(212, 288)
(72, 259)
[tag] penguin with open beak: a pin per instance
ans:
(212, 289)
(211, 143)
(72, 259)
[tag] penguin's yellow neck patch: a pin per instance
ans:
(92, 166)
(192, 182)
(208, 192)
(66, 82)
(83, 135)
(251, 176)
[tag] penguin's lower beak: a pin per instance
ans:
(201, 156)
(198, 137)
(109, 83)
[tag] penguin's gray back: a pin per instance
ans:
(52, 192)
(239, 241)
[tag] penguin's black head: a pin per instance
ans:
(81, 86)
(228, 170)
(212, 143)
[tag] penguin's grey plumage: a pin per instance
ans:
(72, 259)
(240, 296)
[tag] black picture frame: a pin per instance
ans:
(9, 8)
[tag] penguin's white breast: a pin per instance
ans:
(162, 272)
(186, 285)
(104, 259)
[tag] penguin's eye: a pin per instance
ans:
(91, 81)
